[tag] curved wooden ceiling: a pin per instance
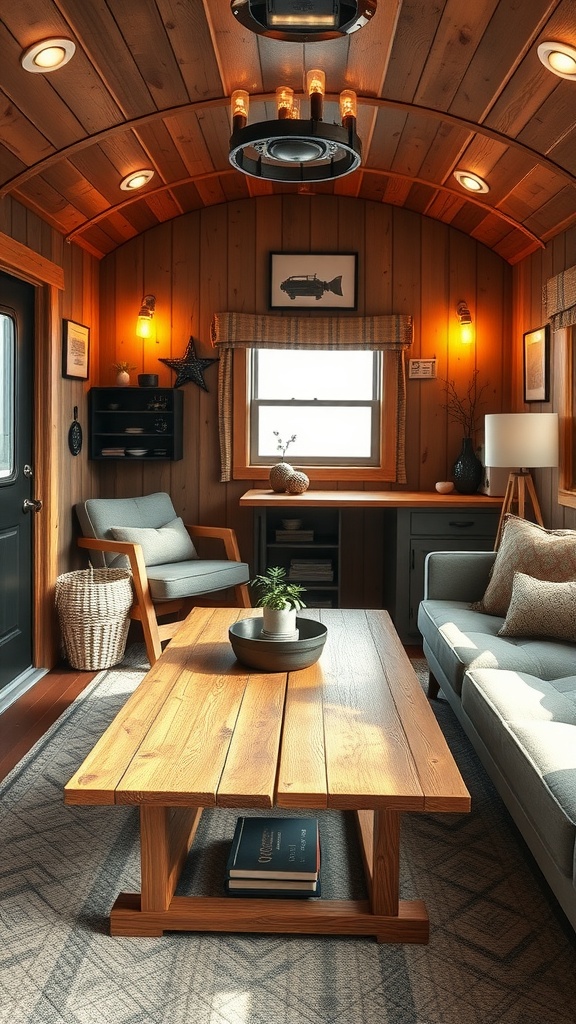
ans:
(441, 85)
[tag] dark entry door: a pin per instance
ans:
(16, 469)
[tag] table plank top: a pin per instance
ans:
(264, 497)
(353, 731)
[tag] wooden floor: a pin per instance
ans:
(22, 724)
(25, 721)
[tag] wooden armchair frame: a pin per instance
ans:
(143, 608)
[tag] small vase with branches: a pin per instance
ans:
(465, 410)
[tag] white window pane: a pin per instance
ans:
(320, 433)
(336, 376)
(7, 343)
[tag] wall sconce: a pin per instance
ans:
(465, 320)
(145, 321)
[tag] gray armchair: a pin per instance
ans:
(169, 578)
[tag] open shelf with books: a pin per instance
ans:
(306, 546)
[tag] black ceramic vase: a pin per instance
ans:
(467, 469)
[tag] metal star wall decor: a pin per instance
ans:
(189, 367)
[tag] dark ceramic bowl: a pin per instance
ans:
(277, 655)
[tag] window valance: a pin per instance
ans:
(560, 299)
(391, 334)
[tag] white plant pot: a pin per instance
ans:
(279, 624)
(122, 379)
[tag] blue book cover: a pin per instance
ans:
(275, 848)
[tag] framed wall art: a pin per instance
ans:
(537, 365)
(75, 350)
(322, 281)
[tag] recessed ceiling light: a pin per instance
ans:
(47, 55)
(301, 20)
(472, 182)
(136, 180)
(559, 58)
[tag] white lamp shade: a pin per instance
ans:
(524, 440)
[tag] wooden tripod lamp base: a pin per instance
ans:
(520, 485)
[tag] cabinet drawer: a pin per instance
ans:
(454, 523)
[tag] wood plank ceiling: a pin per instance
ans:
(441, 84)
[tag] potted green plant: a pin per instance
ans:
(279, 600)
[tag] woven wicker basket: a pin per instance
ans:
(93, 607)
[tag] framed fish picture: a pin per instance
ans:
(313, 280)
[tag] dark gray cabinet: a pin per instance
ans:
(314, 562)
(135, 424)
(410, 534)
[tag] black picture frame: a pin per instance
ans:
(536, 358)
(75, 350)
(320, 280)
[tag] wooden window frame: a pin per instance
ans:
(242, 469)
(565, 369)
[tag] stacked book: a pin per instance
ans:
(294, 536)
(115, 452)
(274, 857)
(309, 570)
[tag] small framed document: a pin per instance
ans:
(75, 350)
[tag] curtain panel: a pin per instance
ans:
(391, 334)
(560, 299)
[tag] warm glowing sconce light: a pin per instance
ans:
(348, 108)
(465, 320)
(145, 322)
(284, 101)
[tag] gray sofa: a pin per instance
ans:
(516, 700)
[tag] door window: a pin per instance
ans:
(7, 363)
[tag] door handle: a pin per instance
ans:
(31, 505)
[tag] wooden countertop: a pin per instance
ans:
(266, 498)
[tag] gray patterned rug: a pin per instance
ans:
(500, 950)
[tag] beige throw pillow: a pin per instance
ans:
(170, 543)
(540, 608)
(528, 548)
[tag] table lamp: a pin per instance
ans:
(524, 440)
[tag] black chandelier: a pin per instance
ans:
(303, 21)
(291, 148)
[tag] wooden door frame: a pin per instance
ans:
(48, 278)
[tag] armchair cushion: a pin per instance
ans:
(175, 580)
(170, 543)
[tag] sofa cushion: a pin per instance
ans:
(528, 548)
(460, 638)
(541, 608)
(529, 727)
(185, 579)
(169, 543)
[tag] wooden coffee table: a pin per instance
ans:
(353, 732)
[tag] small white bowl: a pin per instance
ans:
(291, 524)
(444, 487)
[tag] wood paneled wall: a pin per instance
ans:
(218, 259)
(529, 280)
(71, 477)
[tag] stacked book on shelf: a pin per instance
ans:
(310, 570)
(115, 452)
(294, 536)
(274, 857)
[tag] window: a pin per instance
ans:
(330, 400)
(7, 354)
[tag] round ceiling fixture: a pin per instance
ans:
(136, 180)
(291, 148)
(302, 21)
(472, 182)
(47, 55)
(559, 58)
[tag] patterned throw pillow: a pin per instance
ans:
(170, 543)
(540, 608)
(528, 548)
